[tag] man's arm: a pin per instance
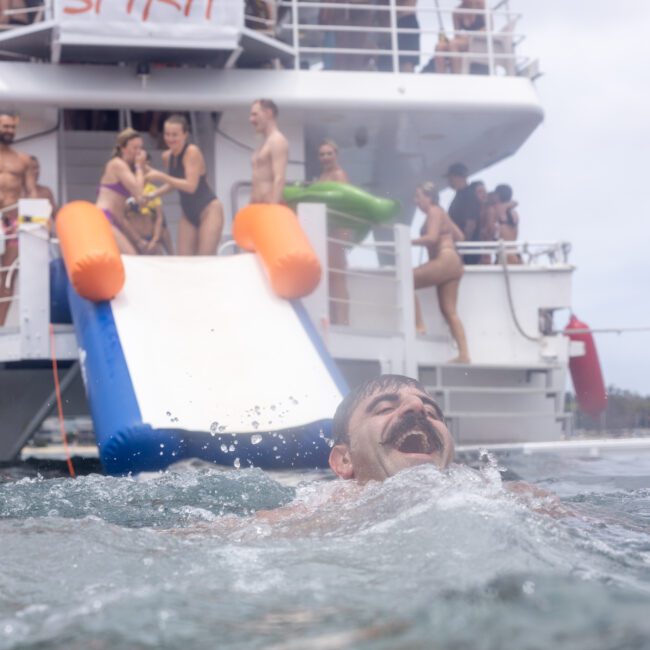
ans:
(279, 158)
(29, 179)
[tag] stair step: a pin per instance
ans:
(504, 390)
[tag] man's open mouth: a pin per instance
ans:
(416, 438)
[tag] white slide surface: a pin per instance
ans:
(210, 347)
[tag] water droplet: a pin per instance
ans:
(273, 407)
(255, 424)
(231, 448)
(275, 448)
(224, 448)
(257, 409)
(256, 438)
(237, 463)
(214, 427)
(222, 428)
(293, 400)
(162, 445)
(168, 413)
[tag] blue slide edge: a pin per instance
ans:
(128, 445)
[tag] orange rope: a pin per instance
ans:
(55, 372)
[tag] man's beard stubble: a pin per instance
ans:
(6, 138)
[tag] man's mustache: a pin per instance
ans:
(412, 421)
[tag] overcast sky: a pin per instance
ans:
(584, 175)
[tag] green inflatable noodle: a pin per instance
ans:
(366, 209)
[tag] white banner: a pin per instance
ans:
(215, 22)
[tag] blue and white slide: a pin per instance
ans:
(197, 358)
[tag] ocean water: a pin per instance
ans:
(206, 558)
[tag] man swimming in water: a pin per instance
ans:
(270, 159)
(385, 425)
(391, 423)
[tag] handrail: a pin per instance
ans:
(494, 47)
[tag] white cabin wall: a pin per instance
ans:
(483, 308)
(33, 121)
(233, 162)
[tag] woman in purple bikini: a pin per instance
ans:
(123, 177)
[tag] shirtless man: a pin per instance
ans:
(270, 159)
(16, 180)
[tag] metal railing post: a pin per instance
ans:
(34, 292)
(313, 219)
(406, 297)
(296, 33)
(489, 23)
(394, 46)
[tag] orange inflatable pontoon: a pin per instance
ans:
(92, 258)
(274, 233)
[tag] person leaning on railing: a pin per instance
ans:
(407, 41)
(464, 21)
(362, 39)
(507, 219)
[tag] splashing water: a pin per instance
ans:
(235, 559)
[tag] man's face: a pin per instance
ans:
(456, 182)
(7, 129)
(395, 429)
(258, 117)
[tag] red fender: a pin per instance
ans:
(586, 373)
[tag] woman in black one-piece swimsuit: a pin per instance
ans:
(199, 229)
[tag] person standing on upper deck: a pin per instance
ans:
(16, 179)
(271, 157)
(449, 52)
(465, 208)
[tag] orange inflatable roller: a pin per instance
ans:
(92, 258)
(273, 232)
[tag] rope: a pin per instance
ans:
(504, 265)
(59, 403)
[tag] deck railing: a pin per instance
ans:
(349, 35)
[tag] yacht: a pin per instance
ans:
(77, 71)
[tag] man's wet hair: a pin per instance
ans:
(458, 169)
(268, 105)
(504, 192)
(8, 112)
(369, 387)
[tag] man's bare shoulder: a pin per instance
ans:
(277, 140)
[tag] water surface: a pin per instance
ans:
(424, 560)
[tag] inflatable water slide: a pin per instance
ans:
(202, 357)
